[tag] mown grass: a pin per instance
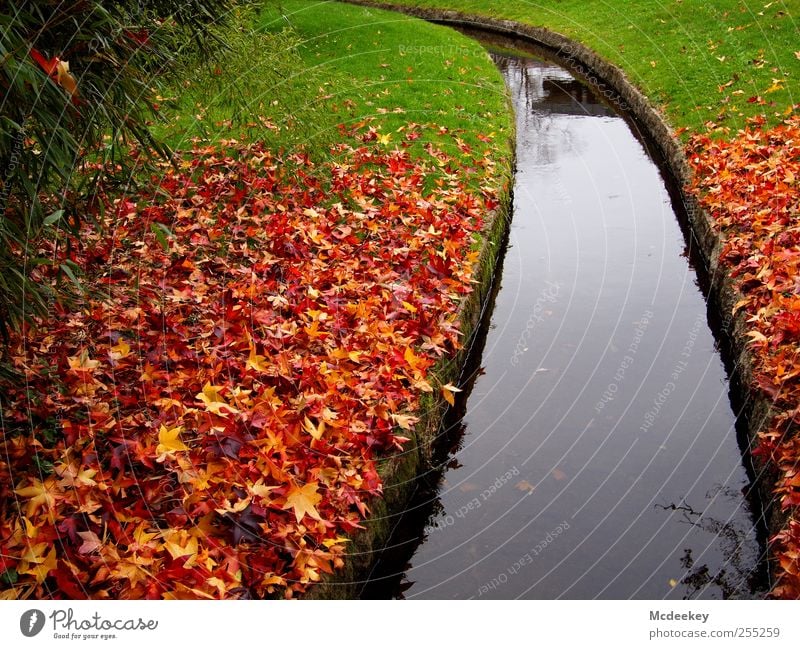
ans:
(296, 70)
(699, 61)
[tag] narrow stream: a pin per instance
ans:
(597, 455)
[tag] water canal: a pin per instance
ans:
(595, 455)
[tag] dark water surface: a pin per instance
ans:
(597, 455)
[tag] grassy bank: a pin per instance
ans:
(698, 61)
(299, 69)
(263, 318)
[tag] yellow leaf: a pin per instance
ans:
(41, 570)
(385, 139)
(739, 305)
(261, 490)
(40, 494)
(82, 362)
(238, 506)
(757, 337)
(412, 359)
(339, 540)
(72, 476)
(221, 586)
(169, 440)
(132, 572)
(36, 563)
(120, 350)
(421, 384)
(304, 501)
(448, 392)
(777, 84)
(256, 361)
(405, 421)
(448, 396)
(31, 530)
(179, 544)
(143, 538)
(35, 553)
(214, 402)
(315, 431)
(65, 79)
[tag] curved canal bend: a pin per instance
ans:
(596, 454)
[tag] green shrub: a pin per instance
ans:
(77, 91)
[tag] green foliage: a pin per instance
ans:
(77, 90)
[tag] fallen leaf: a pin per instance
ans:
(169, 440)
(304, 501)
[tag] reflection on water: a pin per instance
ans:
(596, 454)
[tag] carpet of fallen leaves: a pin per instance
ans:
(750, 186)
(259, 334)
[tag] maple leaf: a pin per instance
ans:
(316, 431)
(213, 401)
(448, 392)
(142, 539)
(524, 485)
(91, 542)
(72, 475)
(169, 441)
(131, 571)
(38, 565)
(405, 421)
(757, 337)
(339, 540)
(120, 350)
(261, 490)
(238, 506)
(414, 361)
(257, 362)
(48, 65)
(82, 362)
(304, 501)
(41, 494)
(180, 544)
(65, 78)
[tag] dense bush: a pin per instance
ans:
(77, 82)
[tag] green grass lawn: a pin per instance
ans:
(296, 70)
(699, 61)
